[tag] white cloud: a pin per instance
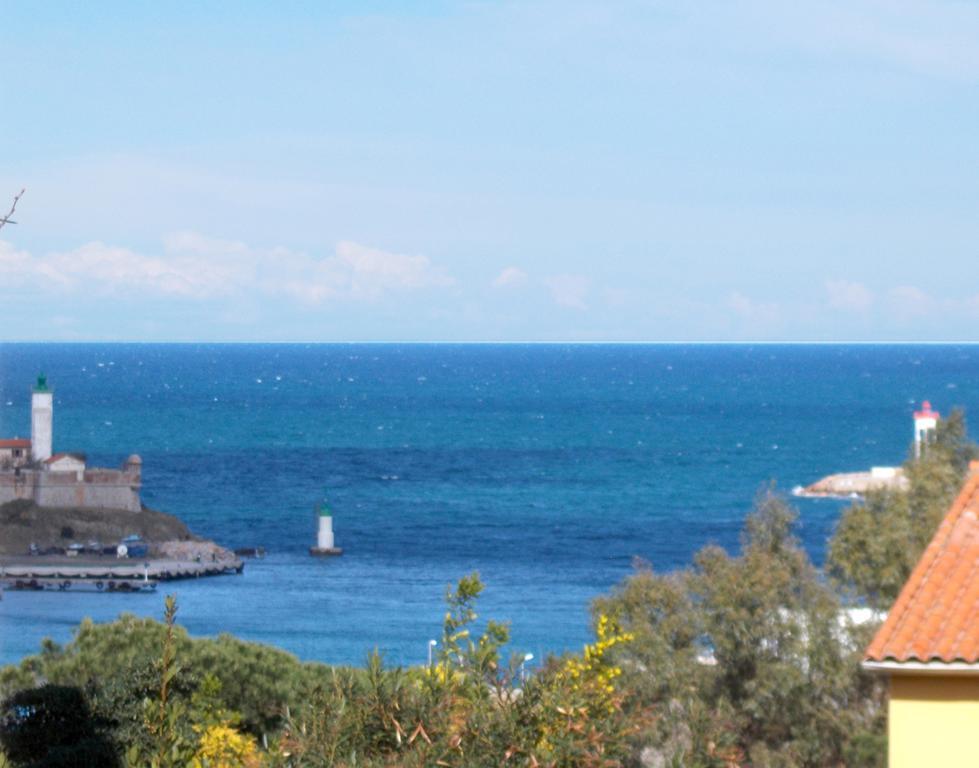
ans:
(14, 264)
(909, 301)
(511, 277)
(104, 269)
(371, 272)
(194, 266)
(757, 312)
(846, 295)
(568, 290)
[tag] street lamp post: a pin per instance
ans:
(523, 672)
(431, 647)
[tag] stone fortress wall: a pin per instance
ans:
(93, 488)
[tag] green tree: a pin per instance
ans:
(877, 542)
(115, 663)
(746, 657)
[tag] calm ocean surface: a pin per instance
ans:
(546, 467)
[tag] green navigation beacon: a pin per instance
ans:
(324, 536)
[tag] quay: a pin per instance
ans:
(64, 573)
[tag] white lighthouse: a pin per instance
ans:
(42, 420)
(324, 535)
(925, 423)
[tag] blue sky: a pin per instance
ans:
(490, 171)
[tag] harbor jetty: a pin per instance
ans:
(847, 485)
(855, 485)
(96, 574)
(63, 549)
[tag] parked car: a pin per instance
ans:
(135, 546)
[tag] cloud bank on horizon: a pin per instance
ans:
(192, 266)
(495, 171)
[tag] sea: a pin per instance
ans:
(551, 469)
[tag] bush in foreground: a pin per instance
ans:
(749, 659)
(165, 701)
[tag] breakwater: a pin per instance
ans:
(848, 485)
(76, 572)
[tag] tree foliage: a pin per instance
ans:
(53, 727)
(116, 662)
(745, 657)
(469, 710)
(877, 542)
(170, 701)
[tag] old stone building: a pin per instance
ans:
(15, 452)
(30, 470)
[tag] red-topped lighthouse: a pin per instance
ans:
(925, 422)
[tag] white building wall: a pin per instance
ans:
(67, 464)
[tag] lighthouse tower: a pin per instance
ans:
(42, 419)
(925, 422)
(324, 535)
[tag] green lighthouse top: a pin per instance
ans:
(323, 510)
(42, 383)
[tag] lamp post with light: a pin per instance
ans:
(523, 672)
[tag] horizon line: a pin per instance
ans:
(442, 342)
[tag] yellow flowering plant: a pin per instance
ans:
(222, 746)
(592, 674)
(581, 719)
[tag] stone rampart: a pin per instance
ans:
(16, 485)
(95, 489)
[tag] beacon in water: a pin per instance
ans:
(925, 423)
(324, 536)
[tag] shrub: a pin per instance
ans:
(52, 726)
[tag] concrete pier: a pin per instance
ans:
(79, 570)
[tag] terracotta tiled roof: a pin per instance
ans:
(936, 616)
(15, 442)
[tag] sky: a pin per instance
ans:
(724, 170)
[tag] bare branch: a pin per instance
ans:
(6, 219)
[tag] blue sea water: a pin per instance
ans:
(548, 468)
